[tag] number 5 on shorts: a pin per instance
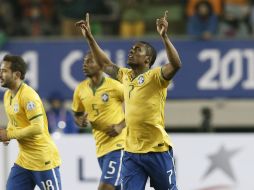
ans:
(111, 167)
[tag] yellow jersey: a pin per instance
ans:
(39, 152)
(145, 98)
(104, 107)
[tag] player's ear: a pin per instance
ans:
(17, 74)
(147, 60)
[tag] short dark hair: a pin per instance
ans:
(17, 64)
(151, 52)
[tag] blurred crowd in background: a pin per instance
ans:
(60, 118)
(200, 19)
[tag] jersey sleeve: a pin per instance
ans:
(32, 105)
(159, 79)
(77, 105)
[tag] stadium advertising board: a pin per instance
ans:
(215, 69)
(203, 161)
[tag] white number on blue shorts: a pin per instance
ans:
(112, 167)
(48, 185)
(170, 172)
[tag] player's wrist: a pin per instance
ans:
(86, 124)
(164, 36)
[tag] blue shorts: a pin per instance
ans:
(159, 166)
(110, 165)
(24, 179)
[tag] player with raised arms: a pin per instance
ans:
(148, 148)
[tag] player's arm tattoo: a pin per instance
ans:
(111, 70)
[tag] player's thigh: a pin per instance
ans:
(133, 174)
(20, 178)
(49, 179)
(161, 170)
(110, 165)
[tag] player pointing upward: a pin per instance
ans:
(148, 149)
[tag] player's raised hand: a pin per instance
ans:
(84, 25)
(162, 24)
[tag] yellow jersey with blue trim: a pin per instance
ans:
(37, 152)
(145, 97)
(104, 106)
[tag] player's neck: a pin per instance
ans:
(96, 80)
(15, 88)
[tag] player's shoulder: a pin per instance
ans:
(113, 84)
(7, 94)
(154, 70)
(112, 81)
(125, 70)
(82, 84)
(29, 92)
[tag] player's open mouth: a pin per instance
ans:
(130, 59)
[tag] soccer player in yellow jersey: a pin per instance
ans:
(148, 150)
(98, 100)
(38, 159)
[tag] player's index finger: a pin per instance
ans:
(166, 15)
(87, 17)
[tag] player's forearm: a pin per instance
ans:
(99, 55)
(122, 124)
(78, 121)
(81, 120)
(35, 128)
(172, 53)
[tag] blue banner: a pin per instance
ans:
(215, 69)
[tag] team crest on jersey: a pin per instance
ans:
(30, 106)
(141, 79)
(16, 108)
(104, 97)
